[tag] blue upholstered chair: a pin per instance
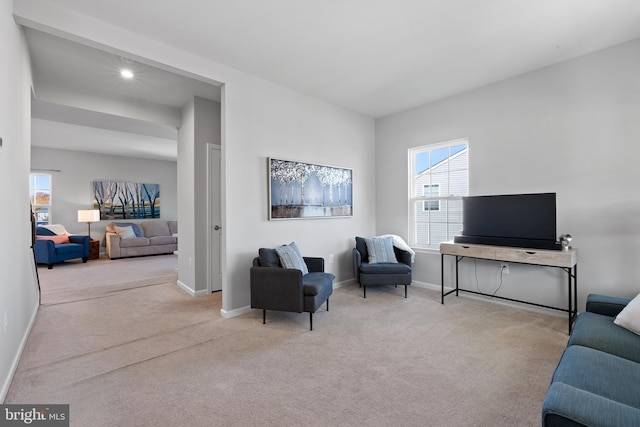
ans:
(380, 273)
(274, 287)
(49, 252)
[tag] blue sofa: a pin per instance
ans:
(597, 381)
(48, 252)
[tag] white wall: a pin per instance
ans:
(18, 286)
(570, 129)
(77, 170)
(260, 119)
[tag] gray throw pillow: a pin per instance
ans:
(290, 257)
(381, 250)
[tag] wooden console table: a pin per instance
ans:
(565, 259)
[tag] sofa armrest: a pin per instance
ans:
(83, 240)
(565, 405)
(113, 245)
(44, 250)
(606, 305)
(403, 256)
(357, 262)
(275, 288)
(314, 264)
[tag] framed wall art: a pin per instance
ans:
(300, 190)
(126, 200)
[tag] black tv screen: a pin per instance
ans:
(526, 220)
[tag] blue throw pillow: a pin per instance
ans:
(381, 250)
(290, 257)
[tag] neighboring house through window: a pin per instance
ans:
(40, 197)
(439, 176)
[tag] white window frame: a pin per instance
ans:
(36, 206)
(429, 198)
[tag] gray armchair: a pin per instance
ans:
(284, 289)
(377, 274)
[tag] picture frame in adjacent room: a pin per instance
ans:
(126, 200)
(299, 190)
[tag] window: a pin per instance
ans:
(431, 191)
(439, 177)
(40, 196)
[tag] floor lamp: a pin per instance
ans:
(89, 216)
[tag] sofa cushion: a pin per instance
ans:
(268, 257)
(603, 382)
(133, 242)
(58, 240)
(162, 240)
(290, 257)
(155, 228)
(600, 333)
(69, 248)
(313, 283)
(385, 268)
(361, 246)
(629, 317)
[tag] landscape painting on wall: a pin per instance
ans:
(126, 200)
(303, 190)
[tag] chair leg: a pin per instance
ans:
(264, 316)
(405, 291)
(49, 266)
(327, 304)
(365, 291)
(310, 321)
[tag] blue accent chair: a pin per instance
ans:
(274, 287)
(47, 252)
(377, 274)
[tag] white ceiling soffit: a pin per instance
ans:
(53, 134)
(378, 57)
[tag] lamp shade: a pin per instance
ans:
(88, 215)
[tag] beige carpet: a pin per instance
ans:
(124, 346)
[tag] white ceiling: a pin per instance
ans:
(377, 57)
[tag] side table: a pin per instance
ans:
(94, 249)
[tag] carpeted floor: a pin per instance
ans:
(124, 346)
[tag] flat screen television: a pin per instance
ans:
(519, 220)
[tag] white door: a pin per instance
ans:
(215, 222)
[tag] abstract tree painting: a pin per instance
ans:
(126, 200)
(303, 190)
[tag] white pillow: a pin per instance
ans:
(629, 317)
(125, 232)
(57, 229)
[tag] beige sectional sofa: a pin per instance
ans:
(128, 239)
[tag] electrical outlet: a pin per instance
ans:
(331, 259)
(504, 268)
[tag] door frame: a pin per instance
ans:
(210, 148)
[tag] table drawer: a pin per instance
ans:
(537, 256)
(474, 251)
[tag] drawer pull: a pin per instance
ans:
(466, 247)
(531, 253)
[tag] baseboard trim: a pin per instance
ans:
(342, 284)
(228, 314)
(16, 359)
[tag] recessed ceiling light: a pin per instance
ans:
(126, 74)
